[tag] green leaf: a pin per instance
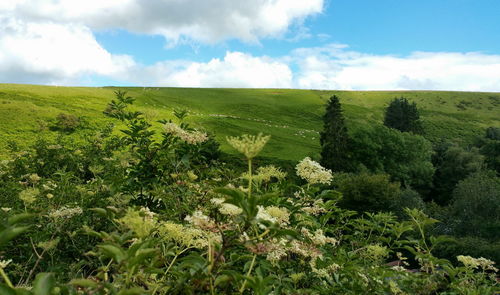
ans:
(83, 283)
(6, 290)
(10, 233)
(102, 212)
(43, 284)
(19, 218)
(112, 251)
(133, 291)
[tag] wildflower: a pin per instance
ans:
(268, 172)
(316, 208)
(187, 236)
(192, 176)
(65, 212)
(49, 196)
(296, 277)
(280, 215)
(191, 137)
(313, 172)
(28, 196)
(318, 238)
(264, 215)
(34, 178)
(482, 263)
(225, 208)
(4, 209)
(249, 145)
(4, 263)
(200, 220)
(141, 222)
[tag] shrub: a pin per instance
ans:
(367, 192)
(67, 122)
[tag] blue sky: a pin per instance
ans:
(320, 44)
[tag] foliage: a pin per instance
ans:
(334, 139)
(475, 208)
(489, 147)
(453, 163)
(367, 192)
(192, 226)
(403, 116)
(408, 198)
(67, 122)
(404, 156)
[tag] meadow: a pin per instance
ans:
(291, 117)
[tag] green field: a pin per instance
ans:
(292, 117)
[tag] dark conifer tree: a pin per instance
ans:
(334, 139)
(403, 116)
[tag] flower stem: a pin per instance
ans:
(248, 274)
(6, 278)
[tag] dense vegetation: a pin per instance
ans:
(152, 209)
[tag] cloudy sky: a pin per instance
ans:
(318, 44)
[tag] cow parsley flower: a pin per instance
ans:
(249, 145)
(313, 172)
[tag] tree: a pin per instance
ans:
(475, 208)
(334, 139)
(453, 164)
(403, 116)
(366, 192)
(404, 156)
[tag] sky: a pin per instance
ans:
(308, 44)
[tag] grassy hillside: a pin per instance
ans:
(292, 117)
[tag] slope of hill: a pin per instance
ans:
(292, 117)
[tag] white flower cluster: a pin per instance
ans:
(187, 236)
(249, 145)
(313, 172)
(225, 208)
(191, 137)
(483, 263)
(318, 238)
(65, 212)
(200, 220)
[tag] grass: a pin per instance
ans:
(292, 117)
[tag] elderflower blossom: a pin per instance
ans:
(187, 236)
(264, 215)
(249, 145)
(191, 137)
(313, 172)
(225, 208)
(4, 263)
(318, 238)
(268, 172)
(316, 208)
(281, 215)
(471, 262)
(65, 212)
(200, 220)
(277, 250)
(28, 196)
(141, 222)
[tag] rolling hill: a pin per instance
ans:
(292, 117)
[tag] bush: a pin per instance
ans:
(67, 122)
(367, 192)
(408, 198)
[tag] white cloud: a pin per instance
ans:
(335, 67)
(201, 20)
(237, 69)
(53, 53)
